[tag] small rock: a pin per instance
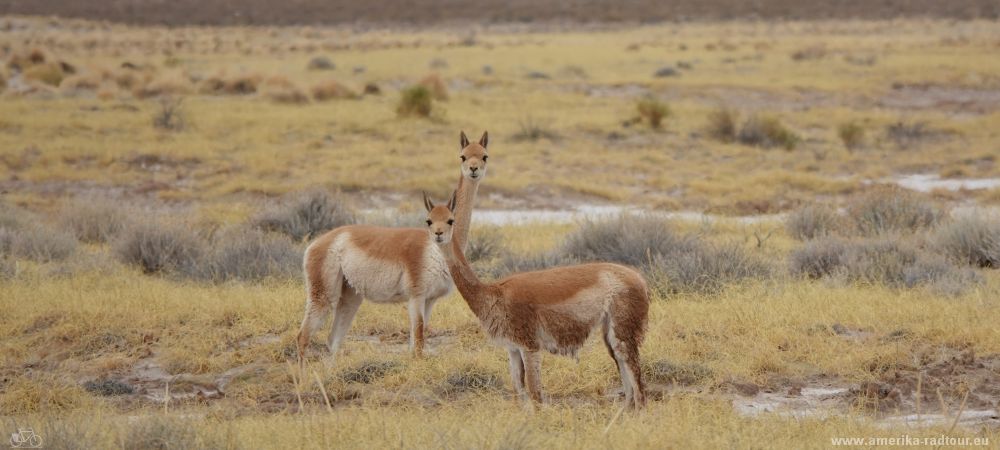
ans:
(487, 70)
(535, 75)
(746, 389)
(359, 69)
(438, 63)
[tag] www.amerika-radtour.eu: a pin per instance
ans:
(907, 440)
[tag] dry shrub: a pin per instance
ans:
(435, 85)
(369, 371)
(905, 134)
(242, 84)
(283, 90)
(810, 53)
(50, 74)
(767, 132)
(8, 267)
(80, 82)
(890, 261)
(3, 81)
(169, 114)
(851, 134)
(472, 379)
(93, 219)
(107, 92)
(722, 125)
(331, 89)
(249, 255)
(532, 129)
(173, 85)
(305, 215)
(40, 393)
(819, 258)
(321, 63)
(892, 209)
(813, 221)
(666, 372)
(37, 243)
(970, 239)
(652, 111)
(24, 60)
(372, 89)
(485, 244)
(157, 247)
(415, 101)
(673, 263)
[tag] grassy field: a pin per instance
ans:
(146, 306)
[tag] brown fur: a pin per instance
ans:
(563, 305)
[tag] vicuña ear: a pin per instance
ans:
(428, 203)
(454, 201)
(485, 139)
(463, 141)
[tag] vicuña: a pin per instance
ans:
(555, 310)
(387, 265)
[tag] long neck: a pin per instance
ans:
(472, 289)
(463, 210)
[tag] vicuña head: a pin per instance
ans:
(474, 157)
(440, 219)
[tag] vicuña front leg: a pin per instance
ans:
(533, 374)
(416, 307)
(516, 372)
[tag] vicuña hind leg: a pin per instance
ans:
(617, 349)
(316, 313)
(343, 315)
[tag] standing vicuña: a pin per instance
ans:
(386, 265)
(555, 310)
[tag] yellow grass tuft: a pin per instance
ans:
(282, 90)
(435, 84)
(331, 89)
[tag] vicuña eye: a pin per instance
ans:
(463, 157)
(484, 157)
(451, 221)
(429, 223)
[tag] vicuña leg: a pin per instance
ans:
(317, 310)
(343, 315)
(516, 371)
(635, 374)
(416, 307)
(533, 374)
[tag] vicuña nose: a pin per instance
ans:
(473, 169)
(439, 233)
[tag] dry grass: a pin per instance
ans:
(330, 90)
(282, 90)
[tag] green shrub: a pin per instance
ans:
(415, 101)
(653, 111)
(851, 134)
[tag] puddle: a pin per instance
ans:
(929, 182)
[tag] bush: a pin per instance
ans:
(305, 215)
(41, 243)
(673, 263)
(242, 84)
(851, 134)
(972, 239)
(653, 111)
(415, 101)
(767, 132)
(8, 267)
(705, 268)
(93, 219)
(250, 255)
(321, 63)
(818, 258)
(905, 134)
(629, 239)
(892, 209)
(812, 221)
(530, 129)
(936, 273)
(435, 85)
(666, 372)
(369, 371)
(331, 89)
(722, 125)
(472, 379)
(511, 263)
(159, 247)
(50, 74)
(282, 90)
(169, 115)
(485, 243)
(879, 261)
